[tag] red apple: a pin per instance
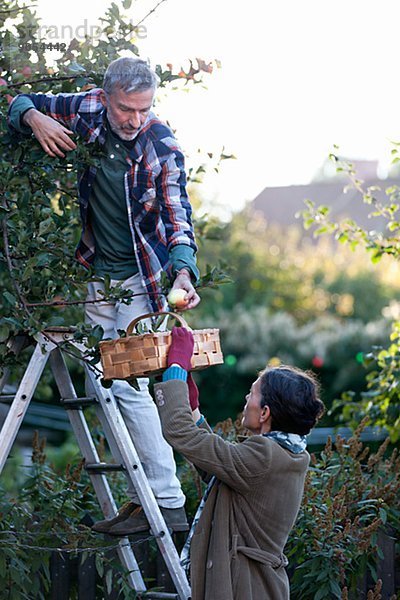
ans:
(26, 71)
(177, 298)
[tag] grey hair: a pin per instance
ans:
(130, 75)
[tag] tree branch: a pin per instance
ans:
(62, 347)
(77, 302)
(9, 261)
(17, 9)
(149, 13)
(42, 79)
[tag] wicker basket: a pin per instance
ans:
(143, 355)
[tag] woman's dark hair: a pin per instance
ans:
(292, 397)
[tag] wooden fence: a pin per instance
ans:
(71, 576)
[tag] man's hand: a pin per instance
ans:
(184, 282)
(51, 135)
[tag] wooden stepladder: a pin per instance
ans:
(47, 348)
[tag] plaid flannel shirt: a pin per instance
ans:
(159, 211)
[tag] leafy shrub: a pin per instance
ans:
(45, 514)
(381, 402)
(349, 496)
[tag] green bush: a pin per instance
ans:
(46, 514)
(349, 495)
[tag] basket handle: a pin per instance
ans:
(132, 324)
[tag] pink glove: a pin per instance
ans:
(193, 393)
(181, 349)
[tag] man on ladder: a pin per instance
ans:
(136, 222)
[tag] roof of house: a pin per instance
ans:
(280, 204)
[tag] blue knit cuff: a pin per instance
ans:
(200, 420)
(174, 372)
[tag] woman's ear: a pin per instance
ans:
(265, 414)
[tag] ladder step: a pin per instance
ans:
(74, 403)
(103, 467)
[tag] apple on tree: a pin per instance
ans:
(26, 71)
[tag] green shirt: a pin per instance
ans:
(108, 214)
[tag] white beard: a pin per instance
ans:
(125, 134)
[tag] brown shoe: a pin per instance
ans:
(175, 519)
(124, 512)
(134, 523)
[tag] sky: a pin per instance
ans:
(295, 79)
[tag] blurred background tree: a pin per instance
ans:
(380, 402)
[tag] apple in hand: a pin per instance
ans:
(176, 298)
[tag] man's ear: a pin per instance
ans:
(103, 98)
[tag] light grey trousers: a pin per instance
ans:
(137, 407)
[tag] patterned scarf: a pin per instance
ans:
(291, 441)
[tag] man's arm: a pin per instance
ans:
(176, 213)
(51, 118)
(237, 465)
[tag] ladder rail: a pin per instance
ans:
(21, 401)
(90, 454)
(136, 474)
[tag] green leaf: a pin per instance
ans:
(335, 588)
(46, 226)
(75, 67)
(9, 299)
(383, 515)
(109, 581)
(322, 593)
(99, 564)
(4, 333)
